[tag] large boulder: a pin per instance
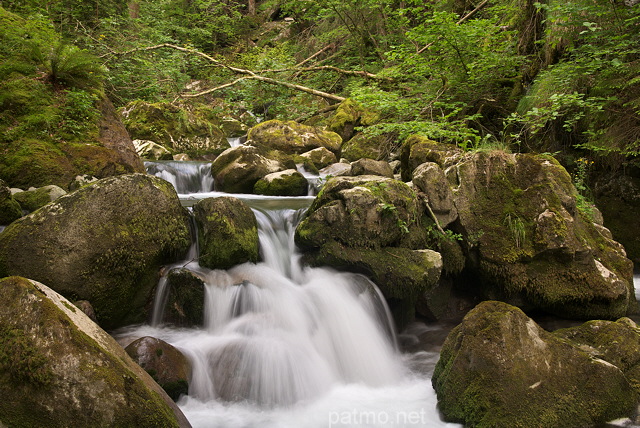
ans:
(498, 368)
(103, 243)
(238, 169)
(531, 244)
(292, 137)
(59, 369)
(192, 129)
(10, 209)
(364, 211)
(164, 363)
(373, 225)
(283, 183)
(227, 232)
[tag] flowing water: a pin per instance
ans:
(284, 345)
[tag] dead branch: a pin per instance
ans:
(329, 67)
(251, 74)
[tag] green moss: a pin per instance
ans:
(21, 358)
(228, 232)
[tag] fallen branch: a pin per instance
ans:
(332, 68)
(251, 74)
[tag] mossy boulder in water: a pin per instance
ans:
(403, 275)
(364, 211)
(498, 368)
(103, 243)
(59, 369)
(283, 183)
(185, 299)
(292, 137)
(164, 363)
(531, 244)
(227, 232)
(10, 209)
(372, 225)
(238, 169)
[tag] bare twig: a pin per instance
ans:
(460, 21)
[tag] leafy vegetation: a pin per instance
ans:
(514, 74)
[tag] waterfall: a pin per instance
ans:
(186, 177)
(284, 345)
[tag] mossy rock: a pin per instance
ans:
(238, 169)
(164, 363)
(227, 232)
(293, 137)
(192, 129)
(319, 158)
(284, 183)
(498, 368)
(103, 243)
(431, 180)
(617, 342)
(367, 146)
(31, 200)
(418, 149)
(529, 242)
(402, 274)
(10, 209)
(364, 211)
(55, 363)
(367, 166)
(185, 299)
(348, 116)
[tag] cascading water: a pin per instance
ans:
(287, 346)
(186, 177)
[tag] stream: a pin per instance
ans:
(284, 345)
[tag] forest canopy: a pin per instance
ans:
(517, 74)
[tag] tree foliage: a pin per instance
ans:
(537, 76)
